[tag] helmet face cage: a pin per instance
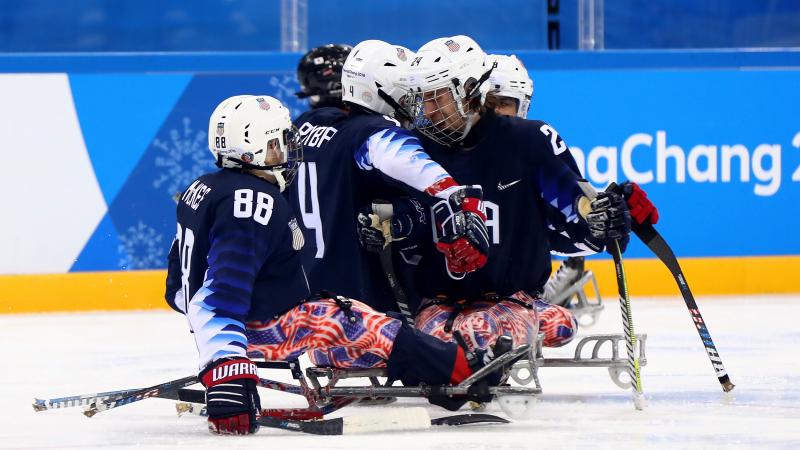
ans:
(447, 81)
(445, 114)
(291, 153)
(522, 102)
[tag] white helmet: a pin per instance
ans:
(370, 76)
(255, 132)
(450, 66)
(510, 79)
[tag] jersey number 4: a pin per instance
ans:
(311, 217)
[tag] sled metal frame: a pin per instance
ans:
(575, 299)
(586, 354)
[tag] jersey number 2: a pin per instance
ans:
(556, 142)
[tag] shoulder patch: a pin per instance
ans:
(297, 235)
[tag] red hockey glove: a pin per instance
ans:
(642, 209)
(231, 396)
(465, 239)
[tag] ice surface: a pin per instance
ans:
(54, 355)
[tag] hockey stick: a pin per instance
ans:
(137, 395)
(171, 394)
(87, 399)
(381, 220)
(195, 404)
(634, 369)
(624, 304)
(393, 420)
(78, 400)
(656, 243)
(297, 419)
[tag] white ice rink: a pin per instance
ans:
(54, 355)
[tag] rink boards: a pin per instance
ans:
(95, 148)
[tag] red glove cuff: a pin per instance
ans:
(641, 208)
(473, 205)
(233, 369)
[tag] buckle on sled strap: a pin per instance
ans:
(344, 303)
(346, 306)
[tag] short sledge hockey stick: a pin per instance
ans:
(383, 214)
(87, 399)
(401, 419)
(634, 369)
(656, 243)
(141, 394)
(78, 400)
(192, 401)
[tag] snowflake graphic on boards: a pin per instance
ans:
(141, 247)
(184, 156)
(284, 87)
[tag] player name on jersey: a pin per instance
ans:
(195, 194)
(315, 136)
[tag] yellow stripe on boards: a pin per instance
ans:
(131, 290)
(705, 276)
(83, 291)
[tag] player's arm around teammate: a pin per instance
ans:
(242, 286)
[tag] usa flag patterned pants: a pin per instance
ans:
(481, 322)
(354, 337)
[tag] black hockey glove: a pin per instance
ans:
(465, 239)
(642, 208)
(231, 397)
(399, 219)
(609, 220)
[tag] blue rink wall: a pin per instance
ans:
(713, 136)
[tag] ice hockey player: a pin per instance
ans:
(526, 188)
(234, 270)
(319, 73)
(510, 86)
(511, 89)
(357, 155)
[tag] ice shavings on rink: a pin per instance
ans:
(54, 355)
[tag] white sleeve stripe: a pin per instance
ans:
(402, 158)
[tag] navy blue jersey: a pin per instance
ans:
(351, 159)
(561, 243)
(528, 190)
(235, 259)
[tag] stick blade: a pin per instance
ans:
(468, 419)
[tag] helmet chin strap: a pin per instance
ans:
(469, 122)
(399, 110)
(280, 180)
(278, 174)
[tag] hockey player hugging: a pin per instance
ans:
(235, 271)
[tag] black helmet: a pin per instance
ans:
(320, 75)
